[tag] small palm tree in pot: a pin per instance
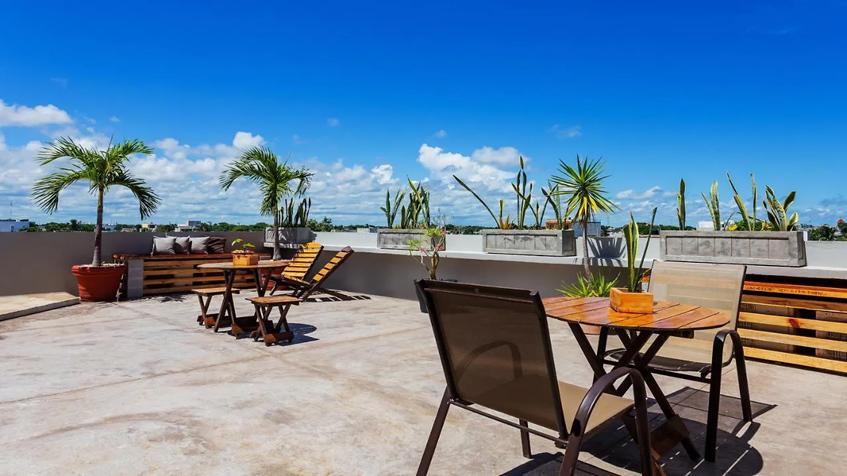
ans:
(102, 170)
(277, 180)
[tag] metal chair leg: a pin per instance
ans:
(741, 368)
(527, 451)
(434, 434)
(714, 397)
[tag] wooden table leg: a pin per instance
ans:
(226, 303)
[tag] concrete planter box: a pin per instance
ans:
(396, 239)
(529, 242)
(762, 248)
(295, 236)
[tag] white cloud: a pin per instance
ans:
(15, 115)
(115, 119)
(506, 156)
(383, 174)
(566, 132)
(633, 195)
(246, 140)
(333, 122)
(443, 165)
(297, 140)
(441, 134)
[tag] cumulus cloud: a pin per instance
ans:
(25, 116)
(633, 195)
(443, 165)
(114, 119)
(333, 122)
(441, 134)
(505, 156)
(246, 140)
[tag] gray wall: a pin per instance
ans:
(41, 262)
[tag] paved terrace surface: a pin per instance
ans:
(139, 388)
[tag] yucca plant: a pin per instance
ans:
(102, 170)
(778, 211)
(391, 210)
(750, 222)
(585, 196)
(591, 286)
(713, 204)
(276, 179)
(631, 236)
(680, 207)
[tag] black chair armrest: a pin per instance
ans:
(589, 401)
(718, 345)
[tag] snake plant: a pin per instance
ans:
(390, 209)
(630, 233)
(680, 208)
(713, 204)
(751, 222)
(778, 211)
(289, 217)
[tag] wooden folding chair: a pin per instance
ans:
(303, 289)
(206, 319)
(268, 331)
(302, 262)
(495, 351)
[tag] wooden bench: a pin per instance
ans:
(168, 274)
(795, 321)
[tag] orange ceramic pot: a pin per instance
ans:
(98, 283)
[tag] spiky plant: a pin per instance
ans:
(778, 211)
(680, 207)
(631, 236)
(585, 196)
(523, 198)
(391, 210)
(713, 204)
(591, 286)
(751, 222)
(276, 179)
(102, 170)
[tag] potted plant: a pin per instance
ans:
(293, 222)
(632, 299)
(243, 256)
(276, 179)
(750, 241)
(102, 170)
(428, 250)
(521, 235)
(413, 220)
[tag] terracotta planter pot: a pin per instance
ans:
(98, 284)
(623, 301)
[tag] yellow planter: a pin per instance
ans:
(245, 259)
(637, 303)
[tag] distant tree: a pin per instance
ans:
(166, 228)
(822, 233)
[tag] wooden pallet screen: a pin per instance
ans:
(168, 274)
(797, 321)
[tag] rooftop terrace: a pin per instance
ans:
(138, 388)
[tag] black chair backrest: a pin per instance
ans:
(495, 349)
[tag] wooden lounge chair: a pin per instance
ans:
(702, 357)
(302, 262)
(303, 289)
(496, 355)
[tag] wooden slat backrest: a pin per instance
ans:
(331, 266)
(303, 261)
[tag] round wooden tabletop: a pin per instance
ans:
(260, 265)
(666, 316)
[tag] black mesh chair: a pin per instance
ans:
(495, 350)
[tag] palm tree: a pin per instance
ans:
(102, 169)
(276, 179)
(585, 196)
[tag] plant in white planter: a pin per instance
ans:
(428, 251)
(102, 170)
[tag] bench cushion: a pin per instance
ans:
(164, 245)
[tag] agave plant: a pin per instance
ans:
(713, 204)
(778, 211)
(591, 286)
(680, 208)
(630, 232)
(750, 222)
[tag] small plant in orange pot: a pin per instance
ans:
(632, 299)
(244, 256)
(101, 170)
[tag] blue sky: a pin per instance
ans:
(368, 93)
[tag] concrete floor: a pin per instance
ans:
(26, 304)
(139, 388)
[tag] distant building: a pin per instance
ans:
(594, 228)
(189, 226)
(705, 226)
(9, 225)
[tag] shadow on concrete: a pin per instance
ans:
(301, 333)
(607, 247)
